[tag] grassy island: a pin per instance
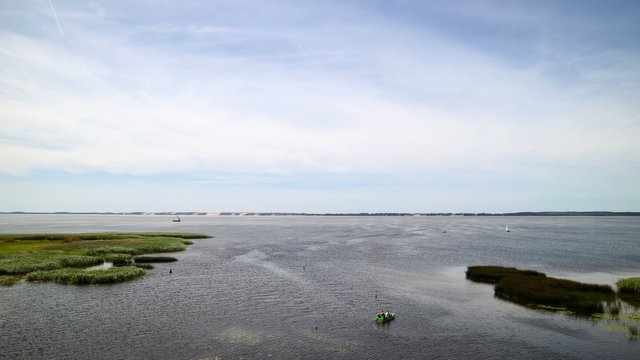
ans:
(599, 302)
(64, 258)
(531, 288)
(493, 274)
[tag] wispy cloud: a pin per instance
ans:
(55, 16)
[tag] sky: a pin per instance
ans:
(319, 106)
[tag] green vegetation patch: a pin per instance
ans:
(97, 236)
(629, 285)
(154, 259)
(25, 263)
(8, 280)
(585, 299)
(493, 274)
(531, 288)
(80, 277)
(24, 254)
(630, 331)
(629, 290)
(117, 258)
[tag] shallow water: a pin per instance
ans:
(309, 287)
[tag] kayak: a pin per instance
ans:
(384, 317)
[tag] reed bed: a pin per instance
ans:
(532, 288)
(135, 247)
(78, 261)
(154, 259)
(117, 258)
(584, 299)
(8, 280)
(161, 244)
(98, 236)
(45, 256)
(493, 274)
(143, 266)
(102, 250)
(629, 290)
(80, 277)
(629, 285)
(23, 264)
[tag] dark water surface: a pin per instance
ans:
(261, 287)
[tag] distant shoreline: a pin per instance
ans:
(229, 213)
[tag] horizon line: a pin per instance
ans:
(280, 213)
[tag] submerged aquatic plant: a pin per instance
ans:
(8, 280)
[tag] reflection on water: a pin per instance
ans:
(302, 287)
(104, 266)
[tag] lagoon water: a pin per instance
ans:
(309, 288)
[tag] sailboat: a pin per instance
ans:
(177, 219)
(507, 229)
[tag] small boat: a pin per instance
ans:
(177, 219)
(385, 316)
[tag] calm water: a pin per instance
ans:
(261, 287)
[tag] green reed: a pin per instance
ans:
(154, 259)
(80, 276)
(629, 290)
(629, 285)
(23, 264)
(8, 280)
(580, 298)
(493, 274)
(532, 288)
(24, 254)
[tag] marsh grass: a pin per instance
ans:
(23, 264)
(493, 274)
(80, 277)
(629, 290)
(103, 250)
(8, 280)
(98, 236)
(161, 244)
(584, 299)
(534, 289)
(154, 259)
(17, 265)
(22, 254)
(629, 285)
(141, 266)
(117, 258)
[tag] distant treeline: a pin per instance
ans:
(523, 213)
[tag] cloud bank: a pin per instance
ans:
(407, 96)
